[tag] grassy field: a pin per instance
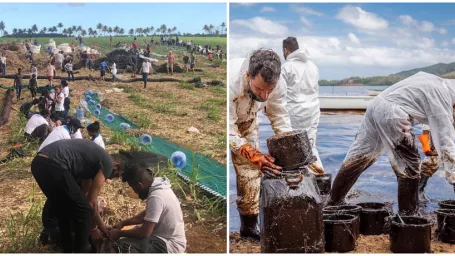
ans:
(165, 109)
(102, 43)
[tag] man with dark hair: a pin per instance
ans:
(67, 162)
(254, 86)
(37, 126)
(162, 228)
(301, 78)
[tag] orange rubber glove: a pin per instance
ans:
(265, 162)
(426, 145)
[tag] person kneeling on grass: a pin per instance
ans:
(162, 229)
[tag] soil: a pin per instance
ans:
(205, 232)
(365, 244)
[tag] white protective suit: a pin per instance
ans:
(422, 98)
(301, 77)
(243, 129)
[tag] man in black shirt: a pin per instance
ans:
(57, 169)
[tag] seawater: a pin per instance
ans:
(335, 135)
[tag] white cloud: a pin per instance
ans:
(424, 26)
(76, 4)
(353, 38)
(338, 59)
(267, 9)
(453, 40)
(263, 26)
(305, 21)
(362, 19)
(305, 10)
(444, 43)
(443, 31)
(246, 4)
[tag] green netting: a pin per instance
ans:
(211, 175)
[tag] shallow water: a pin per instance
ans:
(335, 135)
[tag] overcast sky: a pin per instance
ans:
(350, 39)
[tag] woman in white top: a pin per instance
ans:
(93, 130)
(113, 71)
(59, 102)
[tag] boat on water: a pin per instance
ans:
(374, 92)
(345, 102)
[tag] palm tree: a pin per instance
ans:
(29, 31)
(131, 32)
(44, 29)
(138, 31)
(116, 30)
(222, 27)
(174, 29)
(15, 31)
(99, 26)
(206, 28)
(169, 30)
(34, 28)
(121, 31)
(54, 29)
(110, 30)
(90, 31)
(2, 27)
(211, 27)
(163, 29)
(60, 26)
(152, 28)
(95, 33)
(65, 31)
(105, 29)
(5, 33)
(83, 32)
(146, 31)
(79, 28)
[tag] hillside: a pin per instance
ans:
(440, 69)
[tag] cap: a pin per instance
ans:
(76, 123)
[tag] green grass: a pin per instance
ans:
(165, 108)
(126, 88)
(140, 100)
(23, 228)
(102, 43)
(218, 90)
(213, 107)
(184, 85)
(166, 95)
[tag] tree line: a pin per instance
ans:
(104, 30)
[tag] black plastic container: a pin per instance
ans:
(339, 232)
(412, 236)
(372, 218)
(447, 204)
(291, 215)
(324, 183)
(346, 209)
(446, 225)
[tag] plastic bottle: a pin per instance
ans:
(145, 139)
(89, 92)
(178, 158)
(92, 102)
(98, 106)
(97, 112)
(124, 126)
(80, 113)
(88, 98)
(109, 118)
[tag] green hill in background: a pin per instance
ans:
(440, 69)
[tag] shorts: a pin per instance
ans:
(187, 65)
(50, 78)
(145, 76)
(58, 64)
(170, 65)
(103, 72)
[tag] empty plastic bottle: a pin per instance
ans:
(109, 118)
(98, 106)
(145, 139)
(89, 92)
(124, 126)
(178, 158)
(80, 113)
(92, 102)
(97, 112)
(88, 98)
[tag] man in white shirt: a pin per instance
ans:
(66, 93)
(3, 63)
(162, 229)
(63, 132)
(146, 66)
(37, 126)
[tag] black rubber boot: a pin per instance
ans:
(249, 227)
(422, 184)
(408, 196)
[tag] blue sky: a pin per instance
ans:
(356, 39)
(188, 18)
